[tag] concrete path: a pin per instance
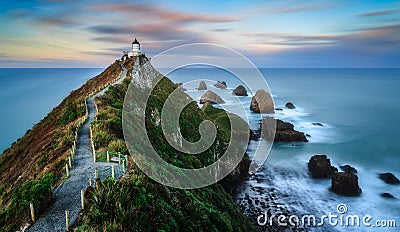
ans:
(67, 196)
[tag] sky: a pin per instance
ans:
(272, 34)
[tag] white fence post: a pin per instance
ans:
(83, 198)
(66, 220)
(67, 170)
(70, 162)
(94, 154)
(32, 212)
(112, 172)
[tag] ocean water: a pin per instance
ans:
(360, 114)
(27, 95)
(358, 108)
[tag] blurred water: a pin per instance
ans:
(360, 114)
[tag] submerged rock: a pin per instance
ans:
(211, 98)
(317, 124)
(290, 105)
(389, 178)
(346, 184)
(240, 91)
(320, 167)
(220, 85)
(387, 195)
(262, 102)
(202, 86)
(348, 168)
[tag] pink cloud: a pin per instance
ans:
(162, 13)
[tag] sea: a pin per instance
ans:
(27, 95)
(358, 108)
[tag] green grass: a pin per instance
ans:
(140, 204)
(73, 111)
(107, 128)
(38, 192)
(137, 203)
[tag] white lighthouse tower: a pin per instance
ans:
(135, 49)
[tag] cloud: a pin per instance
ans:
(221, 29)
(290, 9)
(285, 39)
(55, 21)
(110, 29)
(367, 48)
(111, 53)
(19, 13)
(164, 14)
(378, 13)
(301, 8)
(160, 34)
(3, 55)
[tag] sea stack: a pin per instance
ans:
(345, 183)
(220, 85)
(262, 102)
(279, 131)
(211, 98)
(320, 167)
(240, 91)
(202, 86)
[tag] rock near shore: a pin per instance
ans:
(262, 102)
(346, 184)
(389, 178)
(211, 98)
(290, 105)
(320, 167)
(220, 85)
(284, 131)
(387, 195)
(348, 168)
(202, 86)
(240, 91)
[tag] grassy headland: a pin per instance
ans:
(137, 203)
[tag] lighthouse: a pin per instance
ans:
(135, 49)
(134, 52)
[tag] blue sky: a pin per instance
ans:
(298, 34)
